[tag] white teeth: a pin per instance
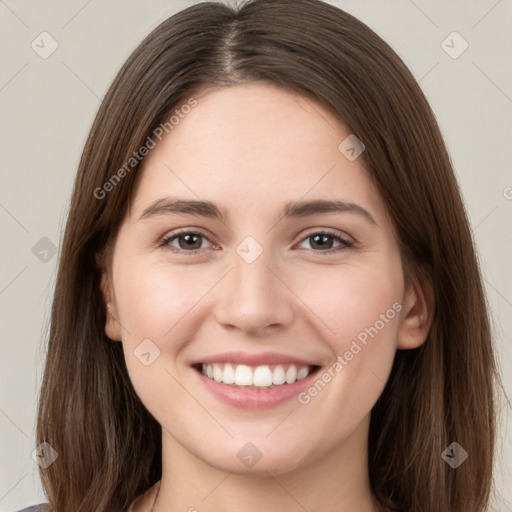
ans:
(243, 375)
(278, 376)
(228, 377)
(291, 375)
(217, 373)
(259, 376)
(262, 377)
(302, 373)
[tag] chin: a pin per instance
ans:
(248, 460)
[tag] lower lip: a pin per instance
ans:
(246, 398)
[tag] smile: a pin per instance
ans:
(254, 380)
(255, 377)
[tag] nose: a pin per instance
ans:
(254, 296)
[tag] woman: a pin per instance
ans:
(268, 295)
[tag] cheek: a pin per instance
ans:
(350, 302)
(154, 299)
(156, 307)
(359, 312)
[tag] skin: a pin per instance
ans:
(250, 149)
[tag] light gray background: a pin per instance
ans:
(49, 104)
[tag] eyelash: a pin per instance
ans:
(165, 242)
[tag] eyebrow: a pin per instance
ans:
(294, 209)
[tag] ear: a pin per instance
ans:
(112, 326)
(417, 315)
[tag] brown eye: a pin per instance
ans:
(185, 241)
(324, 242)
(189, 241)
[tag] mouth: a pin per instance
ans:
(261, 377)
(254, 381)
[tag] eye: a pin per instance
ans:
(324, 241)
(191, 242)
(187, 241)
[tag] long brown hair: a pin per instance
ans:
(109, 446)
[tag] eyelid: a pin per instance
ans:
(164, 241)
(329, 231)
(347, 240)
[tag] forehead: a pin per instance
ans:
(251, 147)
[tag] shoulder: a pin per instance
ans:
(42, 507)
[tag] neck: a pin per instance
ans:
(338, 481)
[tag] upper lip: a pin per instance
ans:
(264, 358)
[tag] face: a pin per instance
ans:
(261, 286)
